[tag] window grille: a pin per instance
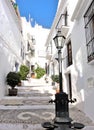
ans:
(89, 30)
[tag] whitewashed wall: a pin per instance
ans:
(82, 72)
(10, 43)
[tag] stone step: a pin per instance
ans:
(26, 107)
(21, 126)
(25, 101)
(36, 88)
(33, 94)
(39, 91)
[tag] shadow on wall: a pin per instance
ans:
(78, 77)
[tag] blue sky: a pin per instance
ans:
(41, 11)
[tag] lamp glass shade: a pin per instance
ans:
(59, 41)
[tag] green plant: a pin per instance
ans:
(13, 79)
(55, 78)
(40, 72)
(24, 70)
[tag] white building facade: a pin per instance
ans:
(40, 35)
(11, 41)
(75, 19)
(30, 44)
(35, 38)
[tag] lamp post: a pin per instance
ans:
(62, 120)
(59, 42)
(61, 98)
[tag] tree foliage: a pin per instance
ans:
(40, 72)
(24, 70)
(13, 79)
(55, 78)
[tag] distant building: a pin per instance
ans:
(35, 38)
(30, 44)
(75, 19)
(41, 35)
(11, 41)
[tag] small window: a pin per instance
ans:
(69, 53)
(28, 46)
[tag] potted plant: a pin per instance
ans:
(40, 72)
(12, 80)
(55, 79)
(24, 70)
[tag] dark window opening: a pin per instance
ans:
(28, 46)
(69, 52)
(32, 68)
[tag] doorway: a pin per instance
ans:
(69, 86)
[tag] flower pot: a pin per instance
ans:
(13, 92)
(33, 75)
(19, 84)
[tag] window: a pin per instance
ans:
(69, 52)
(28, 46)
(89, 30)
(32, 68)
(16, 66)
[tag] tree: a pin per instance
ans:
(24, 70)
(40, 72)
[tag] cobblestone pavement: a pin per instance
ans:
(39, 116)
(31, 108)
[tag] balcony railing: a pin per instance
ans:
(63, 24)
(63, 21)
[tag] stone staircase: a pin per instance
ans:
(31, 107)
(28, 109)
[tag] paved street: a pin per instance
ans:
(31, 107)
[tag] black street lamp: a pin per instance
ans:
(59, 42)
(61, 98)
(62, 120)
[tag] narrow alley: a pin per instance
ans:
(32, 54)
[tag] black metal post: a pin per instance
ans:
(60, 70)
(61, 98)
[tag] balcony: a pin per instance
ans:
(63, 24)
